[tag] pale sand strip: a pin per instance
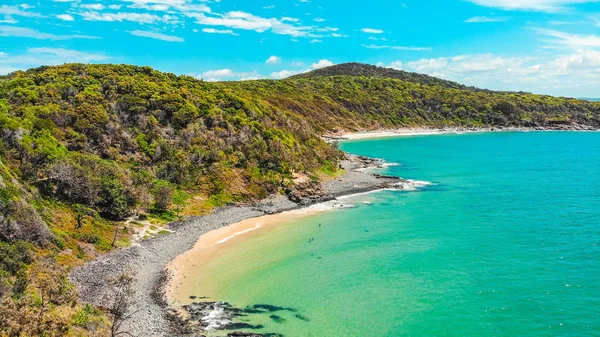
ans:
(407, 132)
(415, 132)
(391, 133)
(214, 243)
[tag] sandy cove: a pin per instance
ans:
(148, 260)
(211, 244)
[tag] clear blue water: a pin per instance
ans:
(507, 243)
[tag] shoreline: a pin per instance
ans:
(148, 261)
(425, 131)
(178, 288)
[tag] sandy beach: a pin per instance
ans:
(408, 132)
(148, 261)
(213, 243)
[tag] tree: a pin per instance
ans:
(163, 195)
(80, 213)
(54, 289)
(121, 288)
(180, 198)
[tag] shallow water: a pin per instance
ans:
(505, 244)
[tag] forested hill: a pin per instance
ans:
(367, 70)
(84, 147)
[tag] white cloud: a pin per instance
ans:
(96, 7)
(8, 19)
(316, 41)
(35, 57)
(398, 65)
(176, 12)
(530, 5)
(322, 64)
(12, 31)
(65, 17)
(405, 48)
(133, 17)
(184, 6)
(273, 60)
(68, 55)
(157, 36)
(571, 40)
(247, 21)
(287, 18)
(372, 31)
(218, 73)
(17, 11)
(375, 38)
(228, 74)
(286, 73)
(485, 19)
(573, 74)
(219, 31)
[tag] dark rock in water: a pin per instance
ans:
(250, 334)
(238, 325)
(272, 308)
(302, 317)
(251, 310)
(277, 319)
(193, 297)
(198, 310)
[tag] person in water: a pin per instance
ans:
(321, 256)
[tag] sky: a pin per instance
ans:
(541, 46)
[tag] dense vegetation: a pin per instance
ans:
(350, 102)
(371, 71)
(84, 147)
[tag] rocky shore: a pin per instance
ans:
(147, 261)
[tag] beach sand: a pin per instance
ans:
(214, 243)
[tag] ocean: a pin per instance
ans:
(506, 242)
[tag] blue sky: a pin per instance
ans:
(542, 46)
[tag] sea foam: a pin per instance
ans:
(238, 234)
(216, 318)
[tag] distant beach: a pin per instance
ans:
(408, 132)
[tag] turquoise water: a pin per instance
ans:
(505, 244)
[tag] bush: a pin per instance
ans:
(14, 256)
